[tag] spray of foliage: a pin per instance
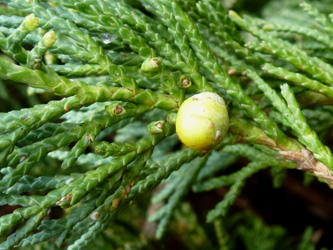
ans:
(122, 70)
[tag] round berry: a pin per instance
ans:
(202, 121)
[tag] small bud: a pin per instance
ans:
(49, 38)
(151, 64)
(156, 127)
(115, 109)
(118, 110)
(31, 22)
(185, 82)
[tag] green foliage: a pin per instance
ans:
(90, 131)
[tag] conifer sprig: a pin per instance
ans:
(123, 69)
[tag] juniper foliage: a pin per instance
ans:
(113, 75)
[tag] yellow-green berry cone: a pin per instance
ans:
(202, 121)
(31, 22)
